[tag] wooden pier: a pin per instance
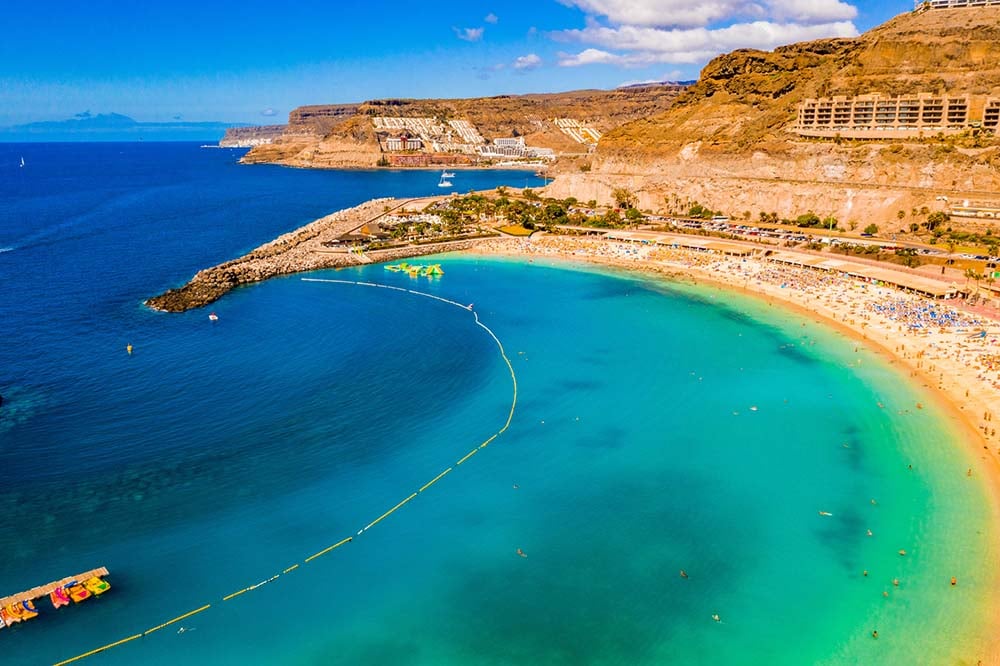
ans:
(45, 590)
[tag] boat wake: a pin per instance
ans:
(6, 249)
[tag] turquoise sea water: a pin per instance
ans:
(219, 454)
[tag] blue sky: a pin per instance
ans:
(252, 62)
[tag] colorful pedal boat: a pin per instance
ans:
(59, 597)
(18, 612)
(28, 610)
(97, 586)
(10, 614)
(77, 592)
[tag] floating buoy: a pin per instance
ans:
(128, 348)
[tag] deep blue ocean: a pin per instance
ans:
(220, 454)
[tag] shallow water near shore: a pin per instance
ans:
(220, 454)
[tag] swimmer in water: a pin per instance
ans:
(521, 553)
(516, 486)
(715, 616)
(954, 580)
(684, 574)
(869, 532)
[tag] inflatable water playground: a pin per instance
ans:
(415, 270)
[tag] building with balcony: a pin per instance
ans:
(876, 116)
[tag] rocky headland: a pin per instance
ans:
(249, 137)
(336, 136)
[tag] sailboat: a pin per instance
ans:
(447, 174)
(444, 182)
(22, 162)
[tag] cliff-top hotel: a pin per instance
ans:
(950, 4)
(876, 116)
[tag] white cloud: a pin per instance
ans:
(527, 62)
(639, 33)
(684, 13)
(688, 45)
(636, 46)
(665, 12)
(812, 11)
(491, 18)
(469, 34)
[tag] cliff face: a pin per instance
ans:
(248, 137)
(727, 143)
(333, 136)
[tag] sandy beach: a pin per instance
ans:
(940, 347)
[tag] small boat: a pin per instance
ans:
(77, 592)
(97, 586)
(213, 317)
(10, 614)
(444, 182)
(447, 174)
(22, 162)
(28, 610)
(59, 597)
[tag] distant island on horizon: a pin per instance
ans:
(114, 127)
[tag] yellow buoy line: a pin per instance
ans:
(342, 542)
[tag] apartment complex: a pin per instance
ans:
(876, 116)
(920, 5)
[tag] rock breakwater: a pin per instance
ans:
(295, 252)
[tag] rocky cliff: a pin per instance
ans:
(248, 137)
(727, 141)
(338, 136)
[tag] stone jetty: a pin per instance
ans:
(297, 251)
